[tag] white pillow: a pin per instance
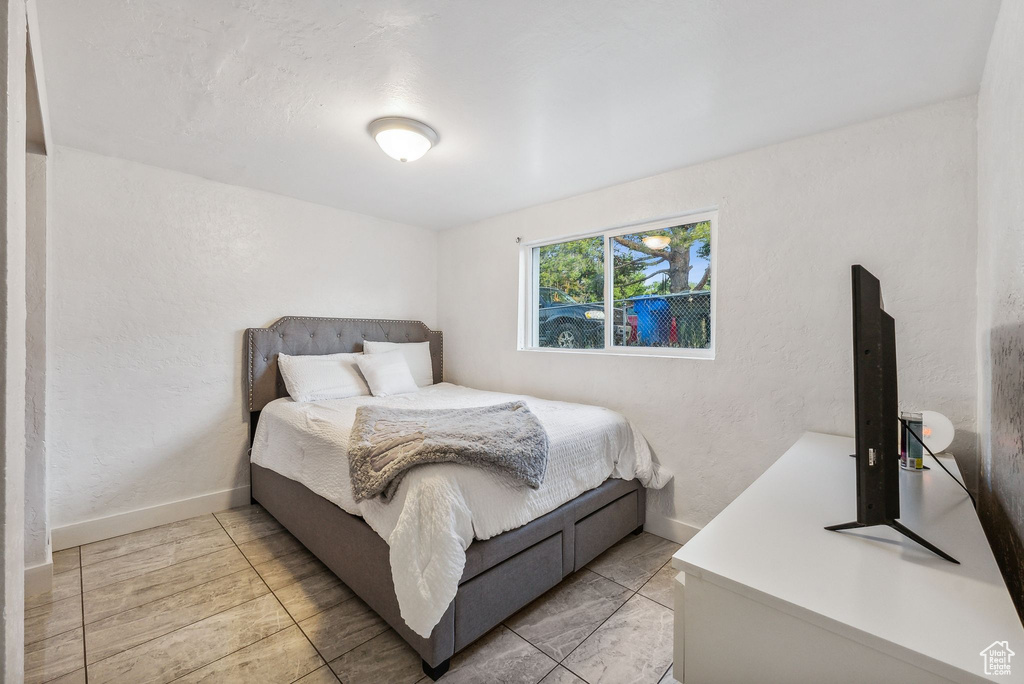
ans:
(417, 354)
(327, 376)
(387, 373)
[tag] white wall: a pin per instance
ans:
(153, 277)
(12, 338)
(37, 529)
(1001, 294)
(897, 194)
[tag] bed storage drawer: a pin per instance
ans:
(492, 596)
(604, 527)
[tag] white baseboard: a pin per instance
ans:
(89, 531)
(676, 530)
(39, 578)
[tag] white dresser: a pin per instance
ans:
(767, 595)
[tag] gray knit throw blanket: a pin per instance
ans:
(387, 442)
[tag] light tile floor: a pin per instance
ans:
(232, 597)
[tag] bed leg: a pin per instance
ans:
(638, 530)
(435, 673)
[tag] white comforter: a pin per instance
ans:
(440, 508)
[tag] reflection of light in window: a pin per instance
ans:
(657, 241)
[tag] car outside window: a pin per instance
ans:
(570, 282)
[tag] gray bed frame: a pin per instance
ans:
(502, 574)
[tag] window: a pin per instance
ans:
(643, 289)
(570, 294)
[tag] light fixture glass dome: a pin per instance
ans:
(403, 139)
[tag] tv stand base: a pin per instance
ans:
(896, 525)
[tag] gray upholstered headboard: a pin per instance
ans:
(298, 335)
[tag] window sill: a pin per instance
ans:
(655, 352)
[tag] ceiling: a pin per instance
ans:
(534, 100)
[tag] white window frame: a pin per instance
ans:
(528, 295)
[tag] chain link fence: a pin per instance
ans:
(681, 321)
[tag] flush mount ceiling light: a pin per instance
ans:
(403, 139)
(657, 241)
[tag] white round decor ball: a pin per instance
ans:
(937, 431)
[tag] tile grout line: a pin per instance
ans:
(301, 579)
(589, 634)
(54, 636)
(262, 536)
(285, 555)
(269, 592)
(177, 629)
(561, 663)
(171, 565)
(672, 608)
(66, 572)
(187, 624)
(633, 595)
(162, 597)
(82, 627)
(258, 641)
(326, 663)
(323, 610)
(57, 634)
(186, 674)
(297, 621)
(608, 578)
(174, 541)
(545, 675)
(272, 593)
(557, 665)
(597, 572)
(362, 643)
(81, 595)
(144, 548)
(201, 584)
(567, 655)
(251, 566)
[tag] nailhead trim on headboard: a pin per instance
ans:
(250, 341)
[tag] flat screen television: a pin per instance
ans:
(876, 411)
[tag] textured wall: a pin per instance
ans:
(154, 275)
(37, 538)
(896, 194)
(1001, 294)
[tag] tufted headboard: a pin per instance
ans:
(298, 335)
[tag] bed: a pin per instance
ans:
(522, 544)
